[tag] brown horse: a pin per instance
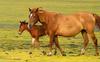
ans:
(36, 32)
(66, 25)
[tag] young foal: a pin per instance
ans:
(35, 32)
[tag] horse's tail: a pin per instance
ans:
(97, 18)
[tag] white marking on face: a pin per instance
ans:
(31, 15)
(33, 41)
(28, 26)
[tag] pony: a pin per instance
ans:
(66, 25)
(36, 32)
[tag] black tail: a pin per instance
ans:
(97, 18)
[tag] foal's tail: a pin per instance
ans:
(97, 18)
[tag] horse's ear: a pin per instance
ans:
(30, 9)
(20, 21)
(39, 8)
(26, 22)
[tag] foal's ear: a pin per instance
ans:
(30, 9)
(20, 21)
(26, 22)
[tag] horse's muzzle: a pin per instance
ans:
(29, 26)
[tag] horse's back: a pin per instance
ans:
(72, 24)
(88, 20)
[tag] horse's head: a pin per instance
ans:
(33, 16)
(22, 27)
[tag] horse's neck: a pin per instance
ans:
(48, 19)
(29, 30)
(46, 16)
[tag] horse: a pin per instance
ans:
(58, 24)
(36, 32)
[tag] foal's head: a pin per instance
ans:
(22, 26)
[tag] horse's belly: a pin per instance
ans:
(68, 32)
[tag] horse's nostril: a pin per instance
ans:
(29, 26)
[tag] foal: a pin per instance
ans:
(35, 32)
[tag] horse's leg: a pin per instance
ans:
(57, 45)
(35, 42)
(55, 52)
(92, 35)
(50, 44)
(86, 40)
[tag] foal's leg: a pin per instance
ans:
(86, 40)
(57, 45)
(35, 42)
(95, 42)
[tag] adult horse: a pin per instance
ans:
(66, 25)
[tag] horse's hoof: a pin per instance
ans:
(97, 54)
(82, 53)
(44, 53)
(30, 52)
(49, 54)
(64, 55)
(55, 52)
(78, 55)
